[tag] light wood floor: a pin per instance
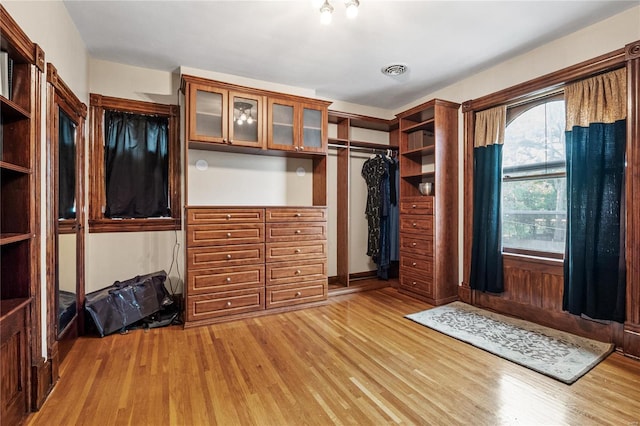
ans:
(353, 361)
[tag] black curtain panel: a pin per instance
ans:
(136, 165)
(66, 166)
(594, 282)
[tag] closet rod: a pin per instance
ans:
(364, 148)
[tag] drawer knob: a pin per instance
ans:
(414, 244)
(298, 214)
(298, 294)
(297, 231)
(228, 279)
(414, 224)
(413, 206)
(413, 283)
(228, 216)
(228, 304)
(228, 256)
(228, 234)
(298, 250)
(298, 272)
(414, 264)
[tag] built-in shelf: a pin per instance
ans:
(13, 237)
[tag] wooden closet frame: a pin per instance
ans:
(343, 142)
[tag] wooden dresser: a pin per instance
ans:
(416, 245)
(244, 260)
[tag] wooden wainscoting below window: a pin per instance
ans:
(533, 289)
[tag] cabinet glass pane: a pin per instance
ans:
(282, 124)
(245, 119)
(208, 114)
(312, 127)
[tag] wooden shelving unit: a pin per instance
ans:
(429, 223)
(19, 223)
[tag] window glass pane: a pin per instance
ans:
(534, 214)
(534, 201)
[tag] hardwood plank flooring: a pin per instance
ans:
(354, 361)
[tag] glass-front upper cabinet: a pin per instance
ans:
(247, 119)
(218, 115)
(282, 125)
(313, 128)
(295, 126)
(208, 116)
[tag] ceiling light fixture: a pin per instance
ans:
(326, 10)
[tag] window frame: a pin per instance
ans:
(513, 113)
(97, 195)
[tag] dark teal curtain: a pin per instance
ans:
(66, 166)
(594, 274)
(486, 251)
(136, 165)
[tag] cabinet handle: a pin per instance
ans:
(298, 272)
(296, 148)
(302, 148)
(230, 141)
(414, 244)
(228, 256)
(414, 264)
(297, 231)
(228, 279)
(414, 224)
(298, 294)
(228, 304)
(413, 283)
(298, 214)
(413, 206)
(298, 250)
(228, 216)
(228, 234)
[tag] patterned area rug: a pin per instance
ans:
(554, 353)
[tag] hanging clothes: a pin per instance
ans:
(381, 176)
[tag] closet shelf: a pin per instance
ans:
(427, 175)
(423, 125)
(425, 150)
(359, 144)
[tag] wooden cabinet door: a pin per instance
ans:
(208, 114)
(246, 120)
(282, 127)
(313, 129)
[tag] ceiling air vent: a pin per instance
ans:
(394, 69)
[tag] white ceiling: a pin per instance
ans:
(284, 42)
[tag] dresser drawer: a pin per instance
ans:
(296, 214)
(293, 294)
(224, 234)
(307, 231)
(200, 307)
(419, 265)
(202, 215)
(417, 224)
(417, 205)
(414, 246)
(289, 272)
(293, 251)
(215, 257)
(416, 283)
(226, 279)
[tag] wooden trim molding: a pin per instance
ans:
(549, 82)
(632, 188)
(97, 198)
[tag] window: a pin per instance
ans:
(134, 163)
(534, 200)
